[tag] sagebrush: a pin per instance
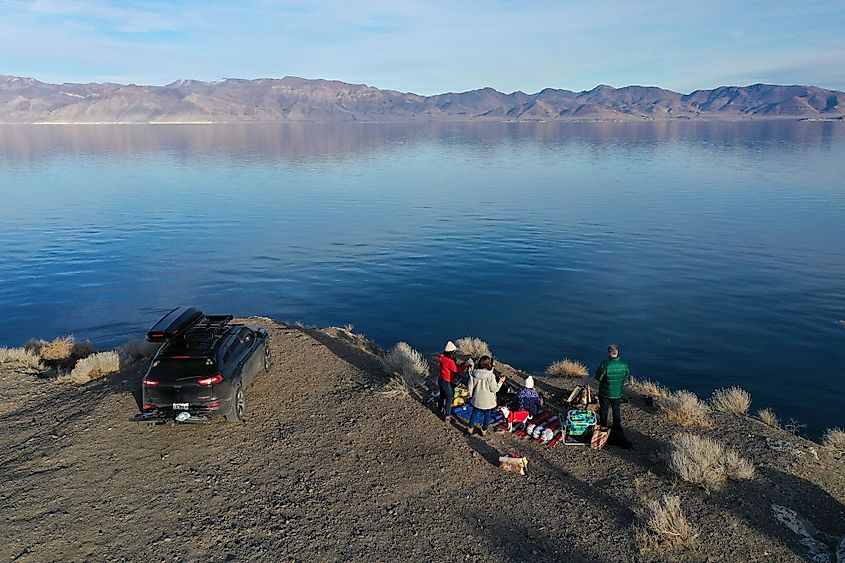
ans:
(473, 347)
(567, 368)
(18, 358)
(647, 388)
(61, 349)
(135, 350)
(685, 408)
(834, 439)
(93, 367)
(706, 463)
(407, 367)
(664, 525)
(769, 418)
(737, 467)
(733, 400)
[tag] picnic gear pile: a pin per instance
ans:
(461, 395)
(575, 426)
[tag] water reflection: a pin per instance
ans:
(318, 141)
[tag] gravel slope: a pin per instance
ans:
(326, 468)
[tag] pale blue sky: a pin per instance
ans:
(430, 47)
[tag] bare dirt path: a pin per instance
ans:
(326, 468)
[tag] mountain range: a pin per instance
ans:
(26, 100)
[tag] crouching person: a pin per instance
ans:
(528, 399)
(483, 387)
(526, 405)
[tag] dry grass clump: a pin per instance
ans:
(408, 368)
(733, 400)
(736, 467)
(685, 408)
(648, 388)
(61, 349)
(706, 463)
(769, 418)
(567, 368)
(135, 350)
(92, 367)
(834, 439)
(664, 525)
(20, 358)
(473, 347)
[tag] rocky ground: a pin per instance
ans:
(327, 468)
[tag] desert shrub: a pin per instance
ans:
(474, 347)
(738, 468)
(92, 367)
(61, 349)
(664, 525)
(135, 350)
(769, 418)
(20, 358)
(82, 349)
(706, 463)
(647, 388)
(567, 368)
(698, 460)
(685, 408)
(408, 368)
(734, 400)
(794, 426)
(834, 439)
(348, 327)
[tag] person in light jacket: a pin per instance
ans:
(483, 387)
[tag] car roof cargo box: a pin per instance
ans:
(175, 323)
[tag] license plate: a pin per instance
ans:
(180, 406)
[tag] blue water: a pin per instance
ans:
(712, 253)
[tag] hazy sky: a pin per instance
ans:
(430, 46)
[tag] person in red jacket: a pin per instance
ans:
(448, 370)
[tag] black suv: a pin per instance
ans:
(203, 367)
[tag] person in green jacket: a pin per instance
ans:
(612, 375)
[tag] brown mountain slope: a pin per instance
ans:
(25, 100)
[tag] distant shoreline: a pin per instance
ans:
(632, 119)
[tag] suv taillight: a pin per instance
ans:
(207, 381)
(149, 382)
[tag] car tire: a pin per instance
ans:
(268, 363)
(238, 407)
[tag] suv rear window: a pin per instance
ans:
(188, 367)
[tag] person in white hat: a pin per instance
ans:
(528, 399)
(449, 368)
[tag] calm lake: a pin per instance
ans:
(712, 253)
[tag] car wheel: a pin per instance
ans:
(236, 411)
(267, 361)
